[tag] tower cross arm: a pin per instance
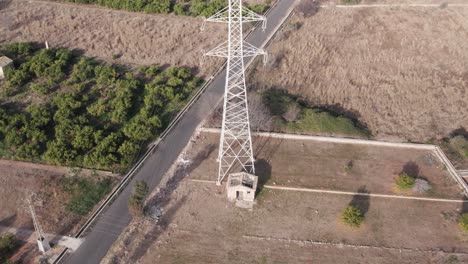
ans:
(222, 50)
(248, 15)
(252, 51)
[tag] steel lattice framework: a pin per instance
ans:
(236, 142)
(37, 227)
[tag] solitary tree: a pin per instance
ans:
(352, 216)
(405, 182)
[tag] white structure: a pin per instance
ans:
(4, 62)
(42, 241)
(241, 186)
(235, 143)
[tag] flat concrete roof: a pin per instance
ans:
(4, 60)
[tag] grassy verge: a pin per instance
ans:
(295, 116)
(85, 193)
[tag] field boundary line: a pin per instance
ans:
(439, 153)
(334, 139)
(284, 188)
(451, 169)
(320, 243)
(311, 190)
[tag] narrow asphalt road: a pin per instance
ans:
(114, 220)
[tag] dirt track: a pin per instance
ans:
(403, 71)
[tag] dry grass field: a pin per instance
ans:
(140, 39)
(198, 225)
(402, 71)
(19, 179)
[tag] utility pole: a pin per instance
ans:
(42, 241)
(235, 143)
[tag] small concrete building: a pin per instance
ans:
(43, 244)
(241, 187)
(4, 63)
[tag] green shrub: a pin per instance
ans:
(350, 2)
(463, 222)
(258, 8)
(352, 216)
(137, 200)
(405, 182)
(348, 167)
(319, 121)
(8, 244)
(277, 101)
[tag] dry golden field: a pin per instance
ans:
(140, 39)
(402, 71)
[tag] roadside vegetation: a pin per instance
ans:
(137, 200)
(204, 8)
(63, 109)
(85, 193)
(293, 115)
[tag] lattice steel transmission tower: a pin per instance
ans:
(236, 143)
(42, 241)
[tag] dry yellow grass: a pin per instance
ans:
(402, 71)
(140, 38)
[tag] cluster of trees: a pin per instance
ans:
(97, 115)
(179, 7)
(295, 115)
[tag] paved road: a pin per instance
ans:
(113, 221)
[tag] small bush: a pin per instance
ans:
(350, 2)
(405, 182)
(8, 245)
(348, 167)
(137, 200)
(352, 216)
(463, 222)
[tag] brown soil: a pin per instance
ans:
(321, 165)
(18, 180)
(199, 225)
(402, 71)
(140, 38)
(289, 226)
